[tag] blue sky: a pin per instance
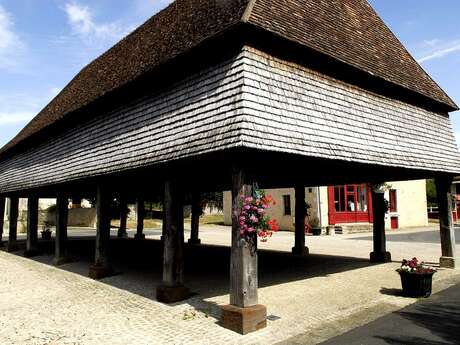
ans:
(44, 43)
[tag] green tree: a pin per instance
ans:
(431, 193)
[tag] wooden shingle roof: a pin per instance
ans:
(346, 30)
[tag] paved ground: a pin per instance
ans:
(433, 321)
(41, 304)
(419, 236)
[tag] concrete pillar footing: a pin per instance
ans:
(380, 257)
(12, 247)
(139, 236)
(244, 320)
(59, 261)
(301, 251)
(99, 272)
(172, 294)
(29, 253)
(194, 241)
(449, 262)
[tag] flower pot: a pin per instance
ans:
(416, 285)
(46, 235)
(316, 231)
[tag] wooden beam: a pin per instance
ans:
(62, 217)
(300, 214)
(195, 221)
(243, 267)
(172, 288)
(380, 254)
(122, 233)
(32, 227)
(449, 257)
(101, 267)
(140, 210)
(244, 314)
(13, 222)
(2, 219)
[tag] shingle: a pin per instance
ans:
(347, 30)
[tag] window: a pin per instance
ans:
(287, 205)
(393, 201)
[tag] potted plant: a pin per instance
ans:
(46, 232)
(315, 226)
(253, 218)
(416, 279)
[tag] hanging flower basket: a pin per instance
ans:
(416, 279)
(253, 218)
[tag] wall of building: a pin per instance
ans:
(411, 201)
(277, 211)
(411, 204)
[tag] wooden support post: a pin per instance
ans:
(122, 233)
(32, 227)
(449, 257)
(300, 214)
(244, 314)
(101, 267)
(380, 254)
(62, 216)
(173, 289)
(195, 221)
(13, 221)
(140, 209)
(2, 219)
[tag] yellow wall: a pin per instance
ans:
(411, 200)
(412, 204)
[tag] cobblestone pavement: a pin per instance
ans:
(41, 304)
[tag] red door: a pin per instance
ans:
(350, 204)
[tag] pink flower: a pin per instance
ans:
(247, 207)
(254, 219)
(250, 230)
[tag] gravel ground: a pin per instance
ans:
(41, 304)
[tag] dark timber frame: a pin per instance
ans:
(140, 209)
(195, 221)
(62, 216)
(32, 227)
(13, 231)
(221, 155)
(101, 267)
(300, 214)
(380, 253)
(449, 257)
(2, 219)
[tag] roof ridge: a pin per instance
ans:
(248, 11)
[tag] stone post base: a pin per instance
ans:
(139, 236)
(30, 253)
(99, 272)
(58, 261)
(122, 234)
(244, 320)
(172, 294)
(194, 241)
(330, 230)
(12, 247)
(449, 262)
(380, 257)
(302, 251)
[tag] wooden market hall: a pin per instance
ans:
(213, 95)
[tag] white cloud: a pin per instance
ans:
(16, 117)
(17, 108)
(82, 22)
(439, 49)
(11, 46)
